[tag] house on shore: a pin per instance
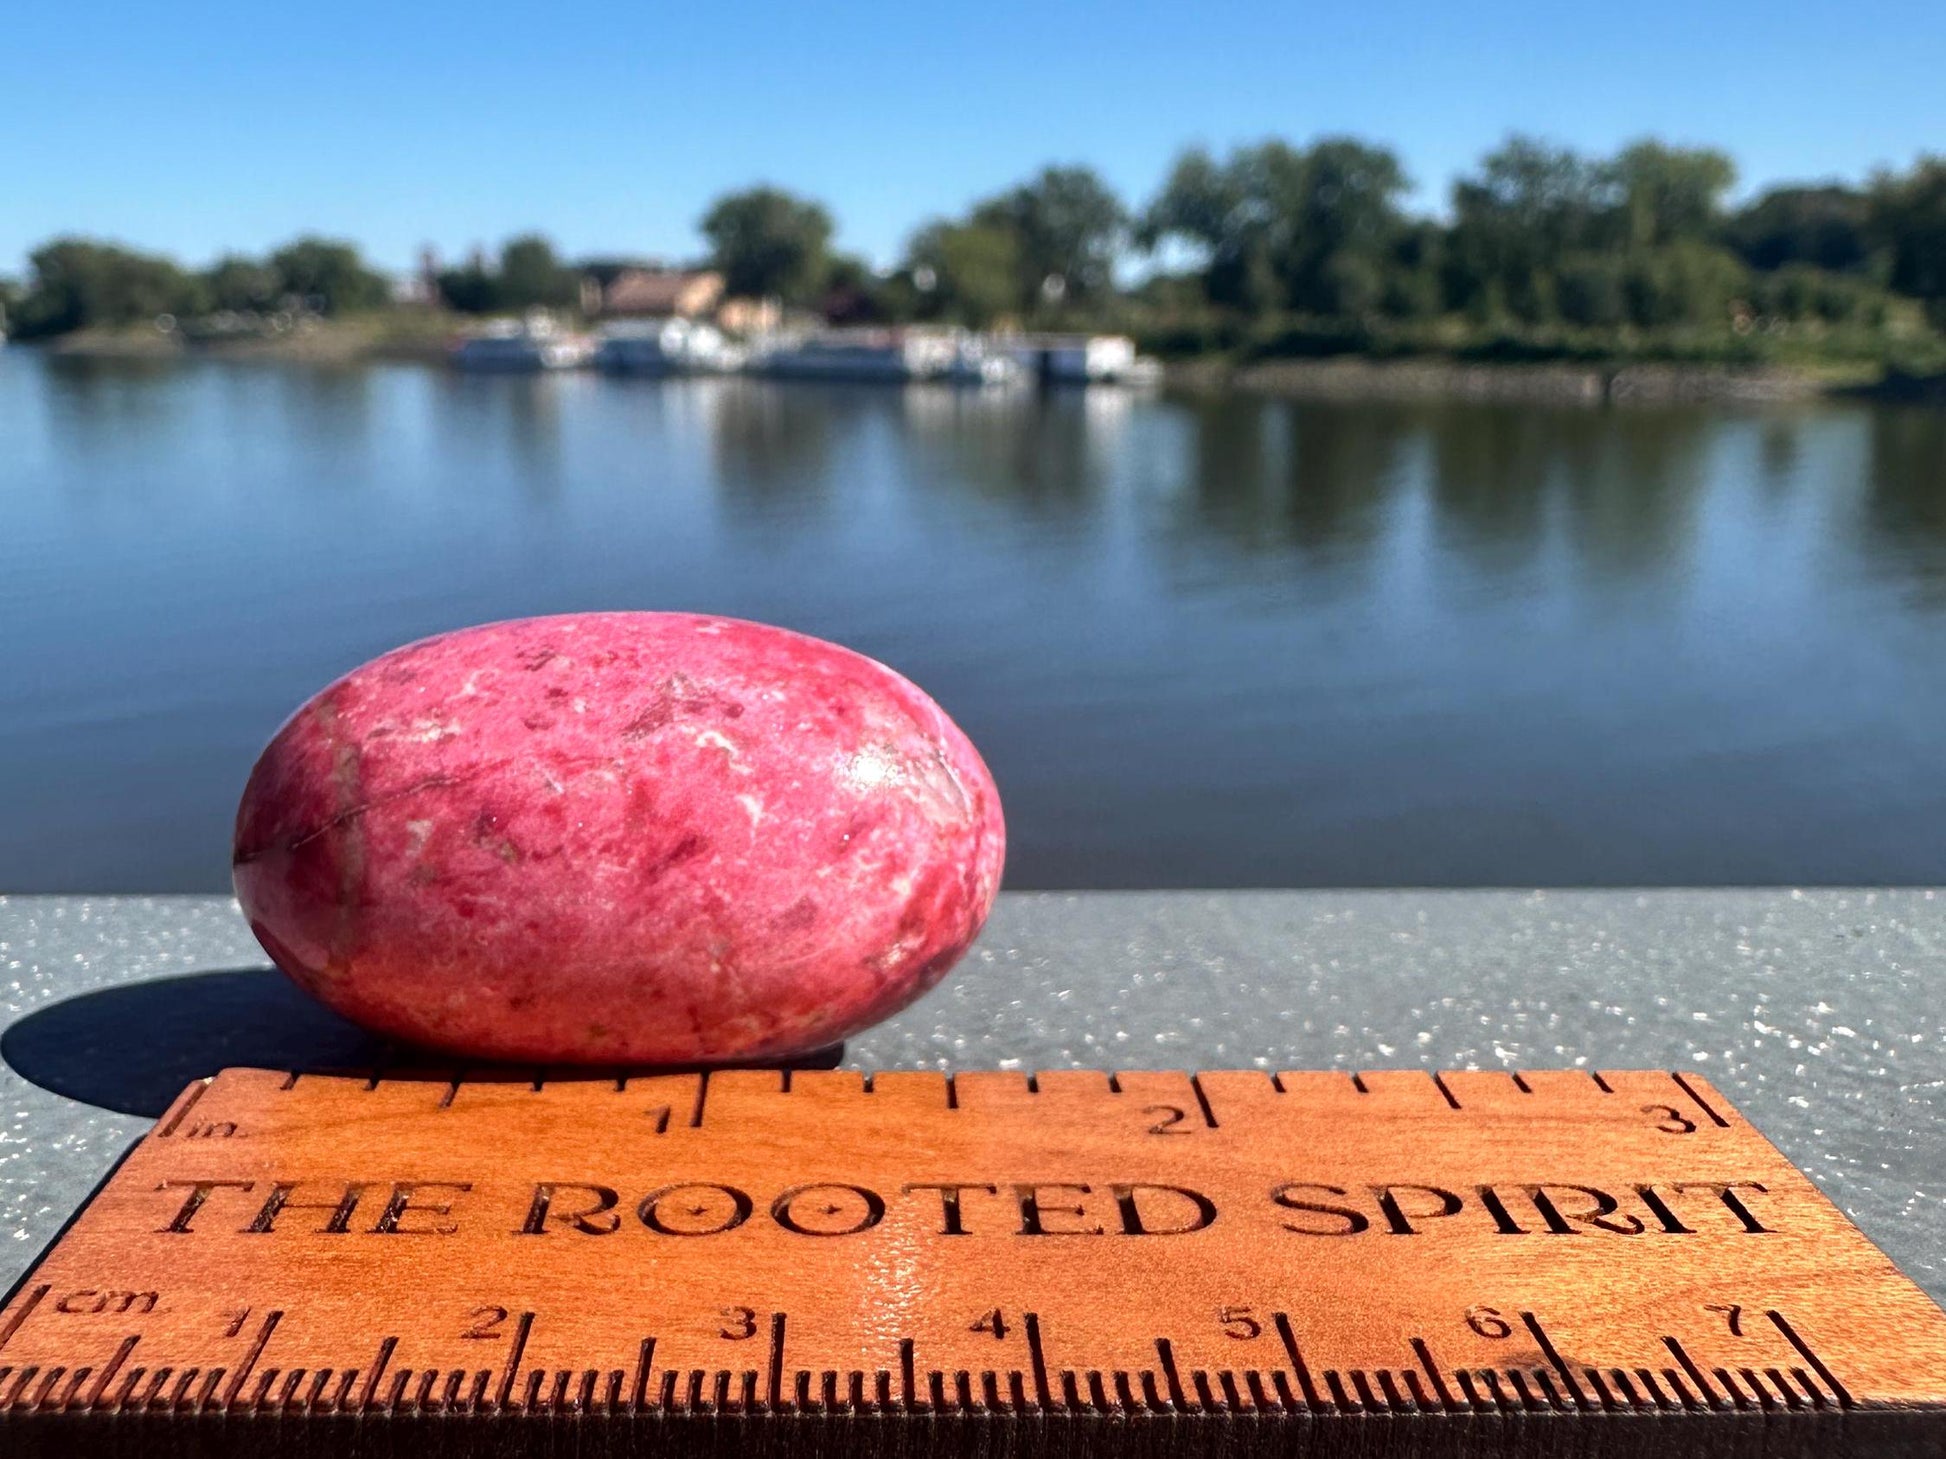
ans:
(751, 318)
(655, 293)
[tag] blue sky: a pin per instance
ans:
(200, 127)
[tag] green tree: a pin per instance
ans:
(1800, 291)
(1826, 227)
(1413, 286)
(1311, 228)
(1345, 218)
(242, 284)
(1527, 208)
(76, 283)
(532, 277)
(967, 272)
(1908, 220)
(768, 243)
(1670, 194)
(1068, 229)
(1590, 290)
(1219, 209)
(328, 275)
(1683, 283)
(471, 288)
(856, 293)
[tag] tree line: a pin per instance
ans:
(1268, 243)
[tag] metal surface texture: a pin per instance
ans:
(1817, 1012)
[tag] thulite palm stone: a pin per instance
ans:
(619, 838)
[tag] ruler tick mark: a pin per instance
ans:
(1033, 1324)
(1167, 1357)
(114, 1366)
(22, 1313)
(256, 1350)
(1202, 1100)
(1688, 1365)
(1809, 1386)
(1424, 1354)
(1553, 1356)
(1701, 1103)
(1804, 1351)
(645, 1359)
(514, 1354)
(776, 1360)
(1311, 1399)
(183, 1107)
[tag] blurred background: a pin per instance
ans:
(1404, 445)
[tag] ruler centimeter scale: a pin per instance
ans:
(1076, 1263)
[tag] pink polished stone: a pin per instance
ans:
(619, 838)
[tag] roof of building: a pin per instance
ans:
(661, 291)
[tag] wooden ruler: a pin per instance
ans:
(828, 1263)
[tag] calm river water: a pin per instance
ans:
(1223, 642)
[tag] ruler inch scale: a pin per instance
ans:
(813, 1262)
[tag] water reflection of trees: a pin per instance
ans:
(1045, 452)
(1620, 485)
(503, 418)
(1631, 508)
(1270, 476)
(124, 419)
(1490, 470)
(1616, 489)
(326, 411)
(776, 443)
(1905, 504)
(99, 409)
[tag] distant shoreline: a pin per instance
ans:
(1357, 378)
(425, 340)
(361, 339)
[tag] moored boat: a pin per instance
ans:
(664, 347)
(522, 345)
(1081, 359)
(892, 356)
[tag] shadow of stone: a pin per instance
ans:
(134, 1048)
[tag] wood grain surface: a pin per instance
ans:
(819, 1262)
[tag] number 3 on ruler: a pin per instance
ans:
(1672, 1120)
